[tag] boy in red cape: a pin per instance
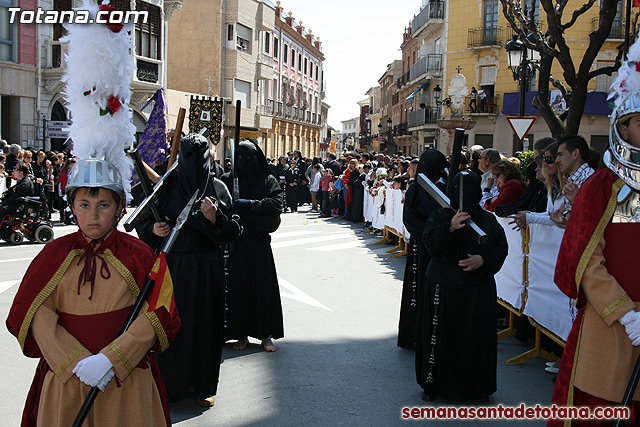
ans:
(596, 266)
(71, 305)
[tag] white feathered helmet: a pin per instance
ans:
(623, 158)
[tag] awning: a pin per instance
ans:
(410, 97)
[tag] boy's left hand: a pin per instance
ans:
(92, 369)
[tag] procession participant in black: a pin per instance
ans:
(418, 205)
(280, 170)
(293, 187)
(254, 298)
(191, 368)
(460, 290)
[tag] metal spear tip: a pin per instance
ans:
(182, 218)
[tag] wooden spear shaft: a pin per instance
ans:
(175, 143)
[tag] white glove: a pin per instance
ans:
(631, 323)
(104, 381)
(93, 369)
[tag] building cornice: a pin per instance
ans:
(292, 33)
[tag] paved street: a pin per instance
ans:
(338, 363)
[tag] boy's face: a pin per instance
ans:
(631, 132)
(96, 215)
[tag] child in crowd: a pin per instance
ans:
(314, 185)
(327, 176)
(335, 196)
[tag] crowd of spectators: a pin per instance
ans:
(45, 173)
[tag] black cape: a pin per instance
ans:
(458, 360)
(254, 297)
(418, 205)
(191, 366)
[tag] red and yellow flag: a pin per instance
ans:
(162, 293)
(636, 3)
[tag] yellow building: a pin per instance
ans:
(471, 36)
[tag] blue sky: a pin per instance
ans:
(359, 38)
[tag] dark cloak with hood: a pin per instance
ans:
(254, 297)
(459, 313)
(418, 205)
(192, 365)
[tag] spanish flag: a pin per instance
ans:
(162, 293)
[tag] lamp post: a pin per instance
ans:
(521, 63)
(437, 93)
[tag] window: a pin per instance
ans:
(316, 72)
(519, 146)
(267, 42)
(275, 47)
(229, 32)
(488, 75)
(603, 82)
(293, 58)
(285, 52)
(305, 65)
(311, 70)
(243, 38)
(490, 33)
(242, 91)
(148, 35)
(600, 143)
(299, 62)
(535, 5)
(486, 140)
(274, 92)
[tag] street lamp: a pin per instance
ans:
(437, 93)
(521, 63)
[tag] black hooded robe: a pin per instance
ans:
(457, 356)
(418, 205)
(293, 188)
(191, 366)
(254, 304)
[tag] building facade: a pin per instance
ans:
(293, 97)
(20, 67)
(478, 32)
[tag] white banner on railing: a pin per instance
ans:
(509, 280)
(546, 304)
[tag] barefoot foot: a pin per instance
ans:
(268, 345)
(241, 344)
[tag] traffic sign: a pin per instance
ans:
(521, 125)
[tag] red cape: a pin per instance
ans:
(592, 210)
(46, 270)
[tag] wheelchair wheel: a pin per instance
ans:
(43, 234)
(15, 237)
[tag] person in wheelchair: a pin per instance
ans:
(24, 187)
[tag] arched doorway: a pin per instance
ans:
(58, 113)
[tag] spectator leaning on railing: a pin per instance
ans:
(554, 183)
(509, 183)
(488, 158)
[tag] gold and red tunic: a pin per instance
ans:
(595, 267)
(61, 321)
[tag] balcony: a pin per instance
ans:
(617, 28)
(423, 116)
(404, 79)
(267, 109)
(426, 68)
(486, 37)
(265, 67)
(486, 106)
(401, 129)
(148, 70)
(430, 17)
(296, 114)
